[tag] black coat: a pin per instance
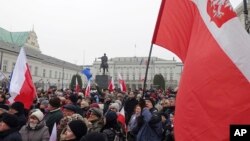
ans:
(10, 135)
(129, 108)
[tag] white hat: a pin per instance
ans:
(115, 105)
(38, 114)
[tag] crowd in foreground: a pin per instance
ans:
(103, 116)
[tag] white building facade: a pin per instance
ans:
(133, 69)
(46, 71)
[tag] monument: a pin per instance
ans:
(102, 80)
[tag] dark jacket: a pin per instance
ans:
(53, 117)
(21, 119)
(129, 108)
(10, 135)
(40, 133)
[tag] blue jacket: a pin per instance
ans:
(151, 129)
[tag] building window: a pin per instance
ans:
(44, 72)
(56, 74)
(59, 75)
(30, 69)
(36, 70)
(50, 73)
(5, 65)
(13, 66)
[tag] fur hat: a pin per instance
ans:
(38, 114)
(18, 106)
(115, 105)
(10, 120)
(55, 102)
(96, 111)
(78, 127)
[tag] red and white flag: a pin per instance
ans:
(77, 87)
(215, 84)
(21, 86)
(122, 83)
(111, 86)
(87, 90)
(121, 118)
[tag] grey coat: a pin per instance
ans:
(40, 133)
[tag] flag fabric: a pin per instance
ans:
(87, 73)
(77, 87)
(87, 90)
(111, 85)
(215, 84)
(121, 119)
(21, 86)
(53, 136)
(122, 83)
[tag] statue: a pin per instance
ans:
(104, 64)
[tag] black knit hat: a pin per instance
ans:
(4, 107)
(18, 106)
(94, 136)
(55, 102)
(10, 120)
(151, 100)
(111, 116)
(78, 127)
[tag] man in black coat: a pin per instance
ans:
(130, 104)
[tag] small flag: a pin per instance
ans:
(87, 73)
(122, 83)
(77, 87)
(111, 86)
(121, 119)
(87, 90)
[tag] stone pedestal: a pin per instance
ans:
(102, 81)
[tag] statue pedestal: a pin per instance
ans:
(102, 81)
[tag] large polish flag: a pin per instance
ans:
(214, 90)
(21, 86)
(122, 83)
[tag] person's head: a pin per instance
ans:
(95, 114)
(137, 109)
(110, 118)
(114, 107)
(172, 101)
(2, 98)
(72, 99)
(8, 122)
(94, 136)
(69, 109)
(17, 108)
(76, 129)
(44, 104)
(104, 54)
(165, 103)
(149, 103)
(54, 103)
(131, 94)
(3, 108)
(84, 104)
(35, 117)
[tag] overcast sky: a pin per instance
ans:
(78, 31)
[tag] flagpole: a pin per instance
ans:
(146, 74)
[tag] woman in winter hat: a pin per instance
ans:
(35, 129)
(75, 131)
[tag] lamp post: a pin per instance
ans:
(245, 11)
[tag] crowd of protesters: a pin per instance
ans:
(148, 116)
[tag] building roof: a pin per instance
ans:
(18, 38)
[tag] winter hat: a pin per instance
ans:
(38, 114)
(4, 107)
(10, 120)
(55, 102)
(97, 112)
(94, 136)
(115, 105)
(73, 98)
(70, 107)
(119, 102)
(78, 127)
(18, 106)
(111, 116)
(45, 102)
